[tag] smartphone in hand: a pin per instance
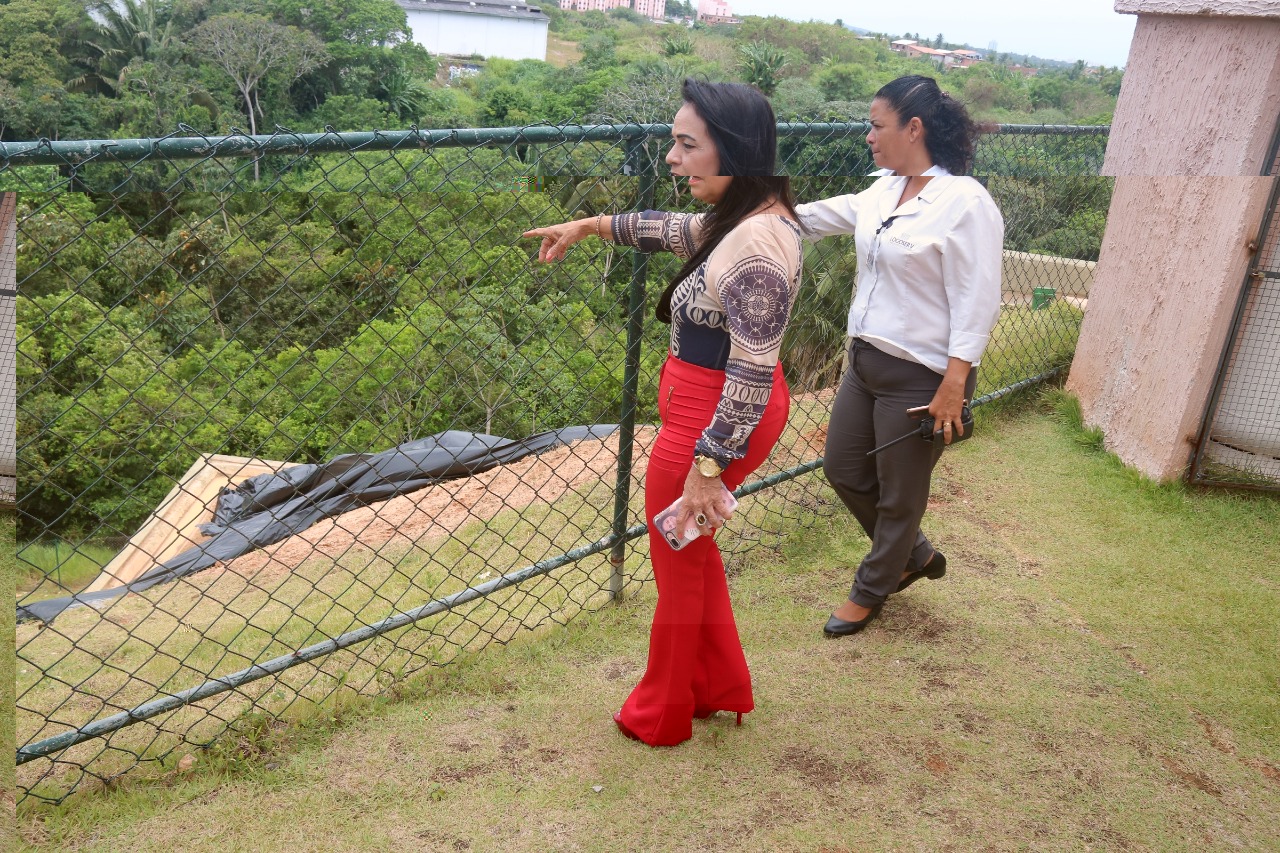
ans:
(664, 523)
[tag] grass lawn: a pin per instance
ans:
(1098, 670)
(52, 571)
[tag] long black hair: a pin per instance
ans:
(949, 133)
(745, 133)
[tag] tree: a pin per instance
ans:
(761, 64)
(129, 30)
(844, 82)
(600, 50)
(37, 40)
(380, 23)
(249, 47)
(937, 42)
(650, 93)
(405, 95)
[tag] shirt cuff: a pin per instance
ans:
(967, 346)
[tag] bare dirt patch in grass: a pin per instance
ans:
(1192, 778)
(1268, 770)
(1220, 739)
(823, 773)
(918, 622)
(938, 764)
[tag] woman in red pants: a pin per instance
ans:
(722, 397)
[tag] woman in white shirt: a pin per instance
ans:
(929, 248)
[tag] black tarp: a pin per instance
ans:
(270, 507)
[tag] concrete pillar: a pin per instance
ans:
(1173, 261)
(1194, 125)
(1201, 89)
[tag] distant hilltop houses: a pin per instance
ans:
(946, 58)
(653, 9)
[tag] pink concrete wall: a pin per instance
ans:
(1173, 261)
(1200, 94)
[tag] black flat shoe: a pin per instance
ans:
(837, 627)
(936, 568)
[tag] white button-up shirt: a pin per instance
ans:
(928, 271)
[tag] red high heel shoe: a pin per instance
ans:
(703, 713)
(617, 718)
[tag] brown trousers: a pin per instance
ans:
(887, 492)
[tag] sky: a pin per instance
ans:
(1052, 29)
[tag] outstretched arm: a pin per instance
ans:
(556, 239)
(650, 231)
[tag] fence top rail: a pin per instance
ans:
(193, 145)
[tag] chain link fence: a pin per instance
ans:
(293, 409)
(1239, 445)
(8, 349)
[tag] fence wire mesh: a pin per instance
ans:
(194, 313)
(473, 159)
(1240, 445)
(8, 349)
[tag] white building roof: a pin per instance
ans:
(492, 8)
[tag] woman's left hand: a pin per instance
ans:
(949, 400)
(702, 498)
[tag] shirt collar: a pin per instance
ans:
(931, 172)
(925, 195)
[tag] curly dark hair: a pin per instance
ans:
(949, 133)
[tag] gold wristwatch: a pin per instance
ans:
(707, 466)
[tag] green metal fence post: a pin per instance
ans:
(641, 166)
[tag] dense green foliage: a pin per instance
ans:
(293, 326)
(140, 68)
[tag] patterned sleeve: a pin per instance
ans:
(758, 289)
(658, 231)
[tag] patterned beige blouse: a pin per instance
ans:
(730, 313)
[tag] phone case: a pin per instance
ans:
(665, 522)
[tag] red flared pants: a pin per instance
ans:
(696, 665)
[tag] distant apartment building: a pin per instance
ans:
(593, 5)
(716, 12)
(901, 45)
(653, 9)
(490, 28)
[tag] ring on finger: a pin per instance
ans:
(700, 519)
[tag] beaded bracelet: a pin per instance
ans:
(599, 233)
